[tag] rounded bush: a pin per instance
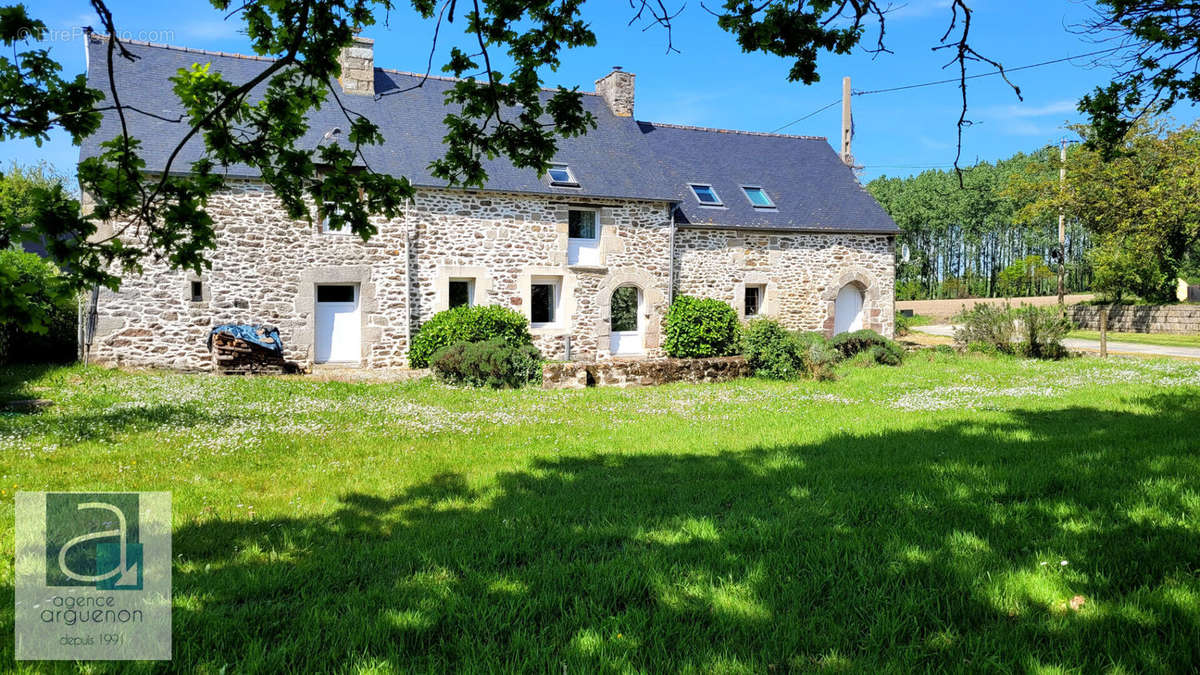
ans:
(701, 327)
(771, 351)
(467, 324)
(858, 341)
(491, 363)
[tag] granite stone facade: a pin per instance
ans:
(266, 267)
(800, 274)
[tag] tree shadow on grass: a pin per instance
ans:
(938, 548)
(109, 425)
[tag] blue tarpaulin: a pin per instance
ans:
(266, 337)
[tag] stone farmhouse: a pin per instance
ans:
(631, 215)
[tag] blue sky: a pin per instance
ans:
(710, 82)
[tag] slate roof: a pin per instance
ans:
(621, 158)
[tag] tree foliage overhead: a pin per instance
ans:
(1158, 65)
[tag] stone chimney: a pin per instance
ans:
(358, 67)
(617, 90)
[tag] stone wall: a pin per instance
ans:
(503, 242)
(263, 271)
(642, 372)
(1139, 318)
(266, 266)
(802, 273)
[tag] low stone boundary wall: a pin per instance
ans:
(642, 372)
(1139, 318)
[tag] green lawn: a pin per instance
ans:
(938, 516)
(1163, 339)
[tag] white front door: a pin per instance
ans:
(847, 311)
(626, 322)
(339, 327)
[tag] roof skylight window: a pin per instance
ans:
(758, 197)
(706, 194)
(561, 176)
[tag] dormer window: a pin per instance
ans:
(758, 197)
(705, 194)
(561, 176)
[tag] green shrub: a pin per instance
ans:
(903, 324)
(491, 363)
(1042, 330)
(39, 321)
(858, 341)
(865, 341)
(700, 327)
(467, 324)
(771, 351)
(986, 324)
(1029, 331)
(776, 353)
(819, 356)
(887, 354)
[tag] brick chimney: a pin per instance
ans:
(617, 90)
(358, 67)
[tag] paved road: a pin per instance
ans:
(1077, 344)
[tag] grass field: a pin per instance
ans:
(955, 513)
(1163, 339)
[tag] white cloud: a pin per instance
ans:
(1055, 108)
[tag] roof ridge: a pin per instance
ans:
(100, 37)
(733, 131)
(447, 78)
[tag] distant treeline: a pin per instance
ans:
(966, 242)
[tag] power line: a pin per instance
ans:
(989, 74)
(954, 80)
(811, 114)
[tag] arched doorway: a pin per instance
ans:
(625, 327)
(848, 309)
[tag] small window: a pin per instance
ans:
(543, 301)
(581, 224)
(706, 194)
(331, 207)
(335, 294)
(462, 292)
(758, 197)
(197, 291)
(562, 176)
(754, 300)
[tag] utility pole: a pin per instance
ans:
(847, 124)
(1062, 220)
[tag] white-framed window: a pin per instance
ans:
(460, 292)
(756, 294)
(562, 176)
(583, 237)
(328, 208)
(758, 197)
(545, 295)
(197, 290)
